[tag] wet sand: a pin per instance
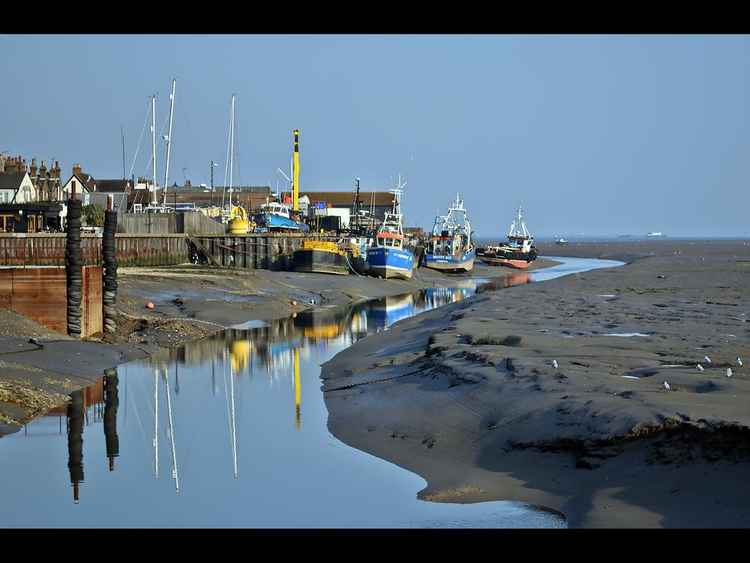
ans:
(467, 396)
(190, 302)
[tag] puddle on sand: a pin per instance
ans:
(627, 334)
(229, 431)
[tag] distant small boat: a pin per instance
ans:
(449, 247)
(657, 234)
(561, 241)
(518, 252)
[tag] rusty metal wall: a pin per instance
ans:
(39, 293)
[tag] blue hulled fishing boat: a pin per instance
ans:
(450, 248)
(275, 216)
(388, 258)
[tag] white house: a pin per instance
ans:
(85, 184)
(17, 187)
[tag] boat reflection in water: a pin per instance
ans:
(233, 399)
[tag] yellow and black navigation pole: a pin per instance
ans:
(295, 173)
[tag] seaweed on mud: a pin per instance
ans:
(510, 340)
(675, 440)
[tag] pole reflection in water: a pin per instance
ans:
(111, 403)
(297, 391)
(76, 419)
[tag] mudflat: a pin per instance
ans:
(618, 397)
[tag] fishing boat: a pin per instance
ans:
(388, 257)
(518, 252)
(450, 248)
(276, 216)
(322, 257)
(561, 242)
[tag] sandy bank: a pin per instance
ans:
(467, 396)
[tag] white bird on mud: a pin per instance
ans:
(739, 361)
(554, 364)
(700, 367)
(729, 372)
(708, 360)
(667, 387)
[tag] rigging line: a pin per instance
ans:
(140, 139)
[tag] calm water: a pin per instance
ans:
(231, 431)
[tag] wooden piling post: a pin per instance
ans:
(74, 264)
(109, 272)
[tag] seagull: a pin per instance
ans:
(554, 364)
(708, 360)
(667, 387)
(729, 372)
(700, 367)
(739, 361)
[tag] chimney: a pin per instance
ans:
(32, 169)
(77, 169)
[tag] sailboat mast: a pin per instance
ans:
(231, 151)
(153, 149)
(169, 141)
(122, 135)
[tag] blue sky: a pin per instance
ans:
(592, 134)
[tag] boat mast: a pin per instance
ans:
(122, 135)
(356, 203)
(231, 150)
(153, 149)
(169, 142)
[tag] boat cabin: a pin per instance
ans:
(275, 208)
(389, 239)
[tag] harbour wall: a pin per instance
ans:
(169, 223)
(270, 251)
